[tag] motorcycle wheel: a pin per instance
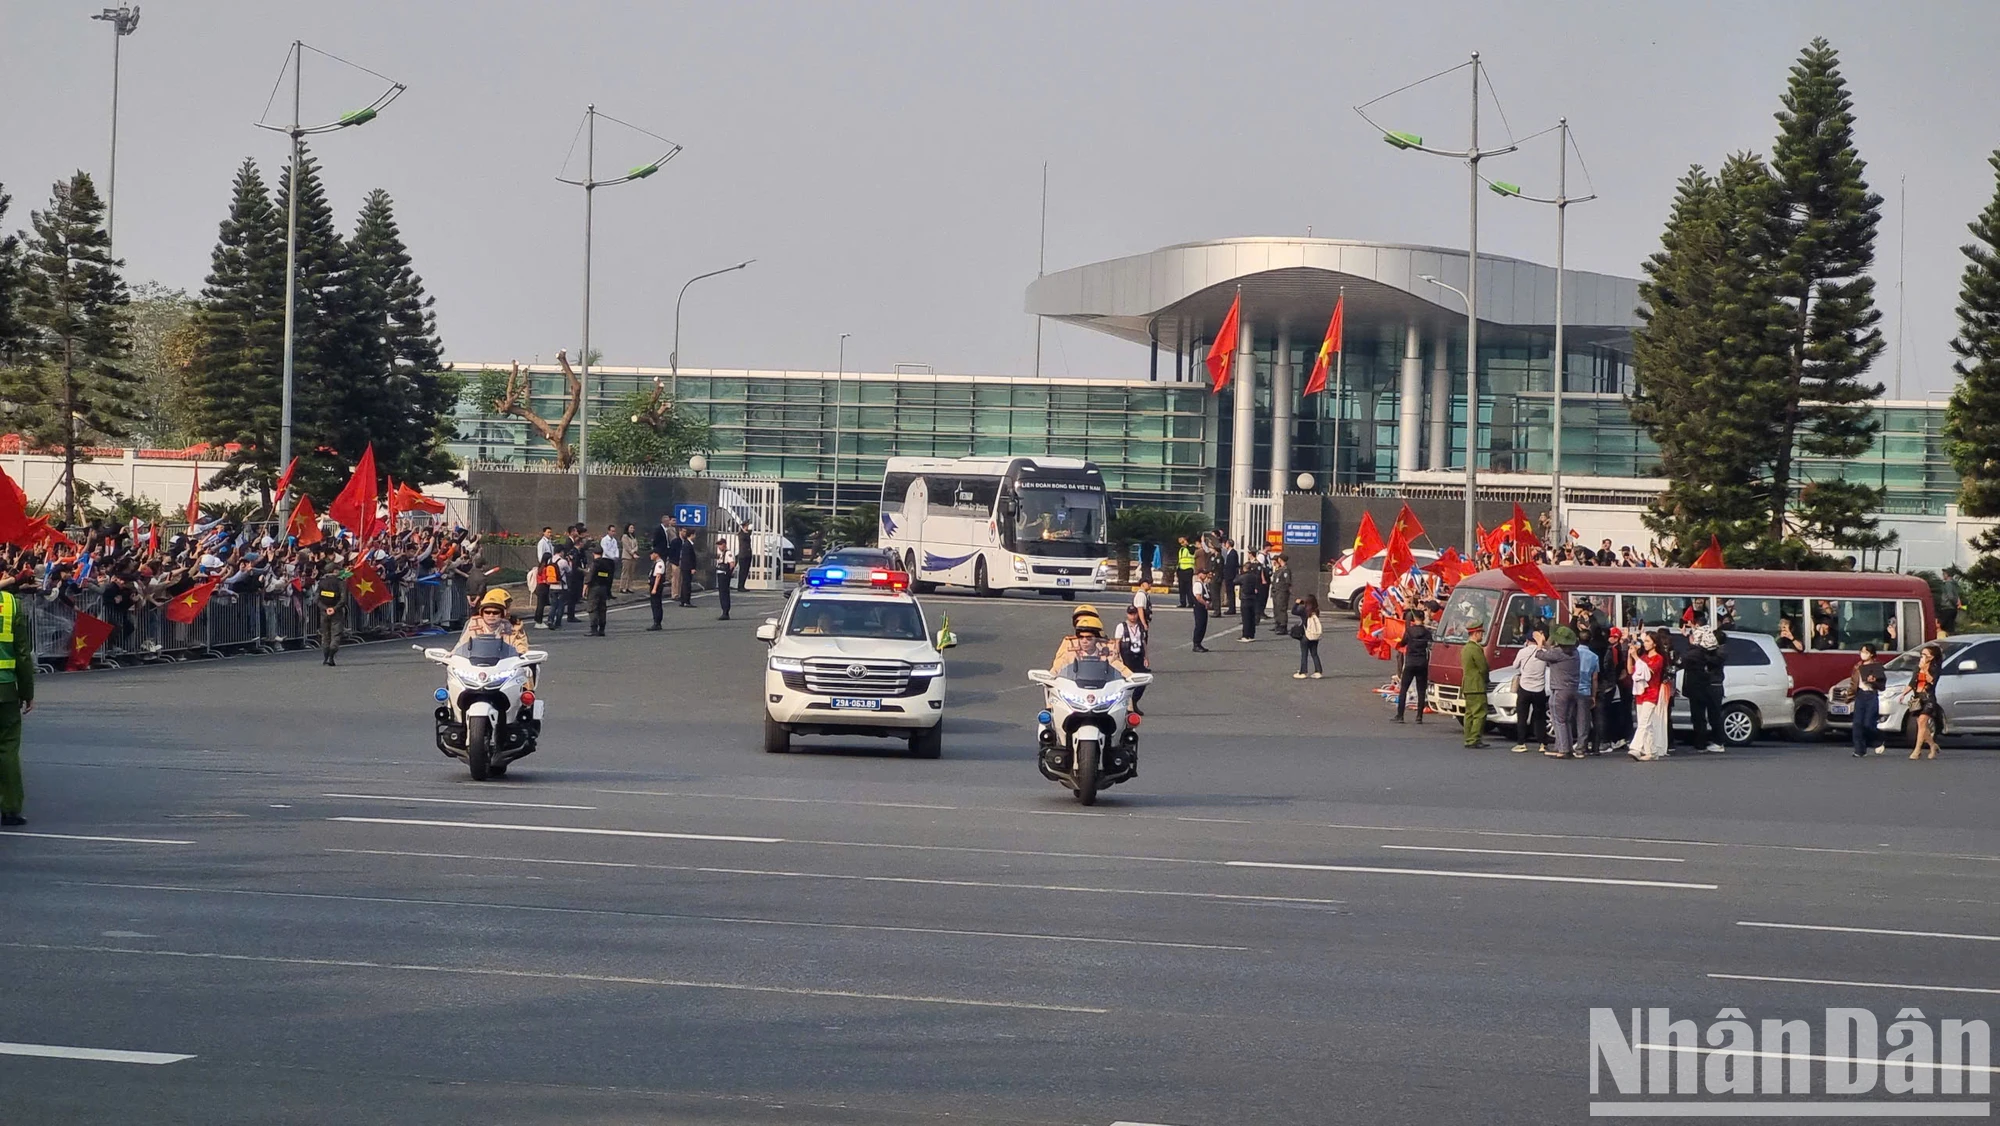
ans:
(1087, 754)
(479, 746)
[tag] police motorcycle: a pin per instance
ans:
(1088, 733)
(488, 714)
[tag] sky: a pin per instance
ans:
(882, 162)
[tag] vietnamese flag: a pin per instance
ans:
(1329, 347)
(393, 496)
(13, 510)
(1449, 567)
(1711, 558)
(354, 508)
(1524, 531)
(194, 500)
(284, 484)
(1367, 544)
(88, 637)
(1407, 523)
(1397, 559)
(410, 500)
(365, 583)
(1222, 350)
(189, 604)
(304, 523)
(1531, 580)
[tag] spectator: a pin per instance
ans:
(1531, 693)
(1653, 695)
(1416, 650)
(1309, 630)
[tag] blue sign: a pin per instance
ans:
(693, 515)
(1303, 532)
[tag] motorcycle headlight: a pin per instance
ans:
(787, 664)
(933, 668)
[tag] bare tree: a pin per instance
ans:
(515, 398)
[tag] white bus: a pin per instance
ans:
(997, 523)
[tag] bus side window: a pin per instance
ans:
(1861, 622)
(1669, 611)
(1781, 618)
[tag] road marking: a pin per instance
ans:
(544, 975)
(559, 829)
(76, 837)
(1363, 869)
(1218, 896)
(98, 1055)
(1870, 930)
(457, 801)
(1856, 984)
(733, 919)
(792, 801)
(1524, 852)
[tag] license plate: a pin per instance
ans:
(856, 703)
(1842, 709)
(1062, 582)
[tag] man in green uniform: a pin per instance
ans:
(329, 607)
(17, 698)
(1472, 684)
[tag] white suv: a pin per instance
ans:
(1344, 590)
(853, 656)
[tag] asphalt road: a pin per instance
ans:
(1298, 913)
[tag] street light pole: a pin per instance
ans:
(124, 21)
(1558, 365)
(674, 357)
(1472, 155)
(840, 367)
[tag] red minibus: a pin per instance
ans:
(1819, 619)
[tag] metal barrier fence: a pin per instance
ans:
(231, 625)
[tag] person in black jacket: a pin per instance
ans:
(1701, 681)
(603, 572)
(1416, 647)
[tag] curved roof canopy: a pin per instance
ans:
(1179, 294)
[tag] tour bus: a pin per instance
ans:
(1819, 619)
(997, 523)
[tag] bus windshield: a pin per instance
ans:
(1060, 521)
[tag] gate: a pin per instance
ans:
(760, 506)
(1250, 520)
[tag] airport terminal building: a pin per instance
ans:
(1160, 436)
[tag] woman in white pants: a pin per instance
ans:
(1653, 694)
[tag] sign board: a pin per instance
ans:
(1301, 532)
(691, 515)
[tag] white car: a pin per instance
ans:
(1756, 691)
(851, 654)
(1344, 590)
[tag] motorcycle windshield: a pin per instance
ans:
(1088, 672)
(485, 652)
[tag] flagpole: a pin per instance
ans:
(1339, 391)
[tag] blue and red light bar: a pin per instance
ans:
(875, 578)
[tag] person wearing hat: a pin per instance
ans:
(1086, 641)
(330, 607)
(493, 620)
(1472, 684)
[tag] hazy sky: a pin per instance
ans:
(882, 161)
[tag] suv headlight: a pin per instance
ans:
(932, 668)
(787, 664)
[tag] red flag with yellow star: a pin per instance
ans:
(188, 604)
(365, 583)
(1329, 347)
(89, 636)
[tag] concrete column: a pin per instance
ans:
(1281, 415)
(1410, 403)
(1243, 431)
(1441, 402)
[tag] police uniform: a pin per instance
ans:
(329, 599)
(603, 570)
(17, 693)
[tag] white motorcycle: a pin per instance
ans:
(1089, 734)
(488, 714)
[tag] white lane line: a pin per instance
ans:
(1525, 852)
(1366, 870)
(544, 975)
(98, 1055)
(559, 829)
(77, 837)
(789, 801)
(1869, 930)
(456, 801)
(774, 873)
(1856, 984)
(732, 919)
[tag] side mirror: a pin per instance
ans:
(437, 654)
(1041, 676)
(1968, 665)
(535, 656)
(768, 631)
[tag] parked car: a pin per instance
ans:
(1345, 590)
(1968, 687)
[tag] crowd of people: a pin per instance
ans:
(575, 569)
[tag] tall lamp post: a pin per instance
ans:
(298, 132)
(124, 21)
(1558, 368)
(1471, 155)
(840, 367)
(674, 357)
(590, 183)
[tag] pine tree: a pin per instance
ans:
(1972, 421)
(331, 409)
(410, 404)
(236, 380)
(11, 332)
(1822, 243)
(74, 389)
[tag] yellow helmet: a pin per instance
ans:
(1085, 617)
(497, 597)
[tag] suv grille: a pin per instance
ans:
(832, 676)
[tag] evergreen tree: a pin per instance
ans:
(236, 381)
(11, 333)
(1972, 421)
(332, 412)
(73, 390)
(410, 394)
(1822, 243)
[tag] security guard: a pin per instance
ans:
(17, 698)
(330, 604)
(603, 571)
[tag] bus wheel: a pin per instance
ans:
(1810, 713)
(910, 567)
(979, 581)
